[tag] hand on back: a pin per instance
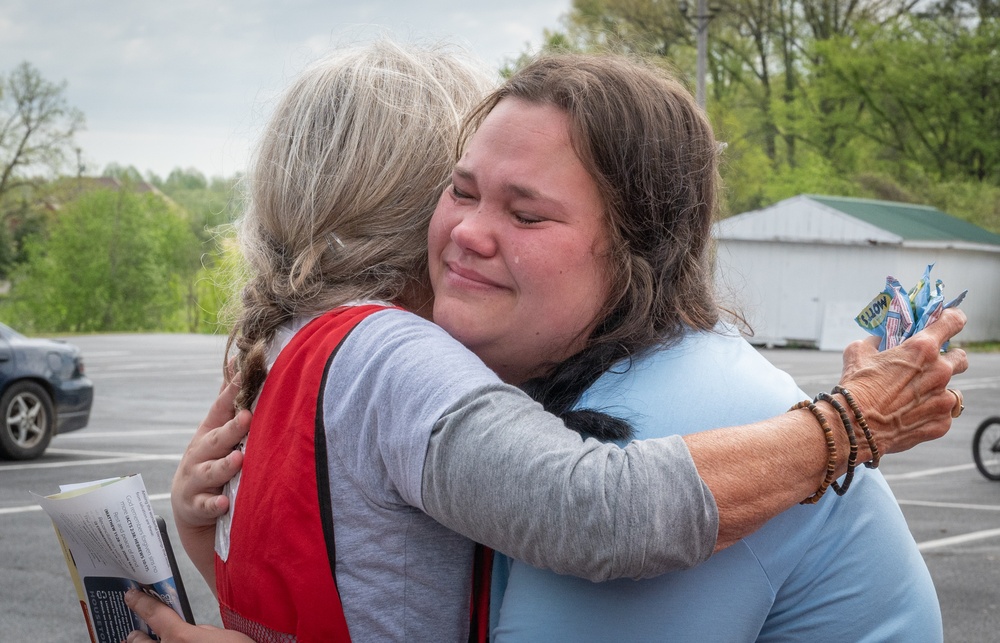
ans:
(209, 462)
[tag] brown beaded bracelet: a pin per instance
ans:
(831, 449)
(852, 456)
(876, 456)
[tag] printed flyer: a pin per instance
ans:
(112, 542)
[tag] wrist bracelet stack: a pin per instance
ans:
(831, 450)
(876, 456)
(831, 445)
(852, 456)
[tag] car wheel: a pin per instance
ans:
(27, 421)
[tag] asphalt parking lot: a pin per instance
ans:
(953, 512)
(152, 390)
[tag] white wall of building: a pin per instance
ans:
(805, 292)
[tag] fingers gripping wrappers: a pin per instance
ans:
(896, 314)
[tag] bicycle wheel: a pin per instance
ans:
(986, 448)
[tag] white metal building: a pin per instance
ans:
(802, 269)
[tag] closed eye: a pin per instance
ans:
(458, 194)
(526, 219)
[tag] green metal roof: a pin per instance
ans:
(909, 221)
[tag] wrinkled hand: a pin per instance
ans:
(902, 391)
(170, 627)
(208, 463)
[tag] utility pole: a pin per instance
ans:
(701, 19)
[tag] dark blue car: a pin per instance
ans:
(43, 392)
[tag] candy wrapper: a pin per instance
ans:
(895, 314)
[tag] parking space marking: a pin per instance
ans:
(94, 354)
(146, 366)
(117, 454)
(958, 540)
(928, 472)
(145, 370)
(968, 384)
(27, 508)
(820, 380)
(949, 505)
(78, 435)
(962, 382)
(107, 459)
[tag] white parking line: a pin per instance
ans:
(95, 354)
(971, 383)
(949, 505)
(116, 454)
(811, 381)
(928, 472)
(77, 435)
(143, 370)
(954, 540)
(146, 366)
(107, 458)
(958, 540)
(27, 508)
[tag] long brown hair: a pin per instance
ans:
(653, 154)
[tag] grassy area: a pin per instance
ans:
(981, 347)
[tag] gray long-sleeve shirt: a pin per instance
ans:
(428, 449)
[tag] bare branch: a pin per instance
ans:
(37, 124)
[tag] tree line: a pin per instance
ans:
(117, 252)
(886, 99)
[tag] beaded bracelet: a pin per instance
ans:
(852, 456)
(831, 449)
(876, 456)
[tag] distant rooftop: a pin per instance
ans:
(68, 188)
(909, 221)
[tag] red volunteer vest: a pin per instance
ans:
(273, 587)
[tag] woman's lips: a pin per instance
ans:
(467, 277)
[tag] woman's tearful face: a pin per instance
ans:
(518, 243)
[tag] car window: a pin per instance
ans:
(9, 333)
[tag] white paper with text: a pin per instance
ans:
(111, 543)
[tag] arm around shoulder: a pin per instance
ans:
(501, 471)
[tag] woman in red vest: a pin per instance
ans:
(380, 449)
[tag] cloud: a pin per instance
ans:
(185, 83)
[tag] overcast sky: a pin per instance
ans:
(188, 83)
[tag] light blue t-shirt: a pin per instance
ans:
(844, 569)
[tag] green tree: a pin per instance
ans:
(217, 285)
(210, 203)
(923, 96)
(181, 179)
(125, 174)
(856, 97)
(112, 260)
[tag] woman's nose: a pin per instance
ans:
(476, 232)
